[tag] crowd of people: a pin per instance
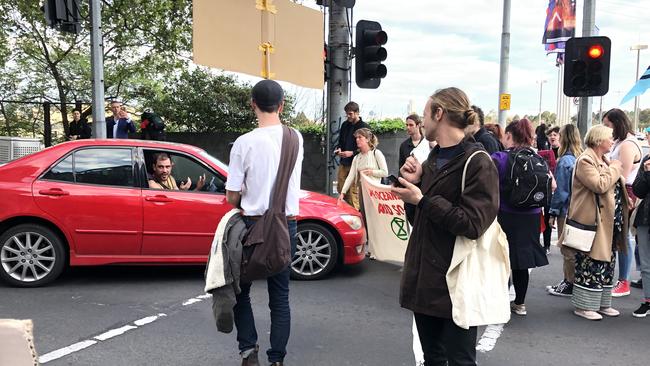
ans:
(459, 177)
(603, 185)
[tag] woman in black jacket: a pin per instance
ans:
(641, 188)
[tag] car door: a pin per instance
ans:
(182, 222)
(93, 193)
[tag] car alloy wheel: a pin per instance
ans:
(30, 255)
(316, 252)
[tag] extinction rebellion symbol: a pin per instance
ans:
(399, 228)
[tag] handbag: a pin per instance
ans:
(577, 235)
(478, 275)
(267, 247)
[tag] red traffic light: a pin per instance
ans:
(595, 51)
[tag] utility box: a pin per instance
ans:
(15, 147)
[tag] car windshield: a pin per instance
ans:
(214, 160)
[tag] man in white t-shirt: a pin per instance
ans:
(254, 162)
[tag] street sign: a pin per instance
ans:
(504, 102)
(273, 39)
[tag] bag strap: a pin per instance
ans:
(374, 153)
(462, 187)
(573, 177)
(288, 157)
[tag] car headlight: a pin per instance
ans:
(353, 221)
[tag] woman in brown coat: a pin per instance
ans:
(598, 196)
(443, 213)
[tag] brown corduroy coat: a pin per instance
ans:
(595, 177)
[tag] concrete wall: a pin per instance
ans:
(314, 164)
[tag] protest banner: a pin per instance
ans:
(388, 231)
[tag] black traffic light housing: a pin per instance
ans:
(63, 14)
(586, 66)
(343, 3)
(369, 54)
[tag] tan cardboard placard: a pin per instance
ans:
(228, 34)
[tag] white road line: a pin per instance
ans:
(115, 332)
(65, 351)
(149, 319)
(61, 352)
(489, 338)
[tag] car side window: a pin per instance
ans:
(184, 167)
(111, 167)
(61, 171)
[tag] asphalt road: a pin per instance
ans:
(350, 318)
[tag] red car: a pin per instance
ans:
(87, 202)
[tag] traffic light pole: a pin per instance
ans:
(97, 65)
(338, 83)
(504, 61)
(588, 25)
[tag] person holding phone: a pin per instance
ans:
(442, 213)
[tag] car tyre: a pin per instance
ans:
(31, 255)
(317, 252)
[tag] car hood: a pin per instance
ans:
(326, 202)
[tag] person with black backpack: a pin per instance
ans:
(525, 187)
(152, 126)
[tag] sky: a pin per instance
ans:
(436, 44)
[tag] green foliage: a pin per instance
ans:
(388, 125)
(200, 101)
(144, 41)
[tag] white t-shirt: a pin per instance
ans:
(254, 164)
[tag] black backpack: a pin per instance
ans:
(528, 182)
(152, 127)
(154, 121)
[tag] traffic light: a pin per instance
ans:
(369, 54)
(63, 14)
(586, 70)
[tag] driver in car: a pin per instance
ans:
(163, 179)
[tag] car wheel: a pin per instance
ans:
(31, 255)
(316, 252)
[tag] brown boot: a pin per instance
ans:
(251, 359)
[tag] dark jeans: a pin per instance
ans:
(278, 288)
(445, 343)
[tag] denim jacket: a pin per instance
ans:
(562, 195)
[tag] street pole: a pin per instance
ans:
(337, 85)
(588, 24)
(638, 49)
(504, 60)
(97, 66)
(539, 115)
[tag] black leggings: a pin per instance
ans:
(520, 282)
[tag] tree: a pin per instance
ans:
(143, 40)
(200, 101)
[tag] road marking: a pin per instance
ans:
(65, 351)
(115, 332)
(61, 352)
(191, 301)
(147, 320)
(489, 338)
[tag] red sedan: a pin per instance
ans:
(87, 202)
